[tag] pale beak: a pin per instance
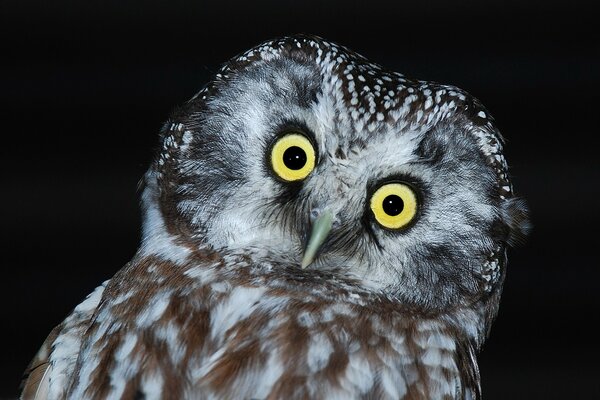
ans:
(320, 230)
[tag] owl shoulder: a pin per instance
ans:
(48, 374)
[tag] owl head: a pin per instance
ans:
(302, 155)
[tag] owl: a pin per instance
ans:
(314, 226)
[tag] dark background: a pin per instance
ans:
(85, 87)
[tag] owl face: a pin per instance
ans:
(301, 153)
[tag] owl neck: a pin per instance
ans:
(473, 323)
(158, 238)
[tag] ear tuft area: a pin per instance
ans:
(515, 214)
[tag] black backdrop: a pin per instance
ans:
(85, 87)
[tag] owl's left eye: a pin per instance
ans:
(394, 205)
(292, 157)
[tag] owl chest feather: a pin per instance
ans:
(218, 332)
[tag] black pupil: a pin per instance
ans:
(393, 205)
(294, 158)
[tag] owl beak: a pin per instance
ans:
(320, 230)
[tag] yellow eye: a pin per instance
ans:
(292, 157)
(394, 205)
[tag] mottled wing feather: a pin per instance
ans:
(35, 379)
(48, 373)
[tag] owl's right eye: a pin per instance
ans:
(292, 157)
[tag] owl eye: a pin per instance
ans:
(394, 205)
(292, 157)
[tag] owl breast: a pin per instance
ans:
(260, 333)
